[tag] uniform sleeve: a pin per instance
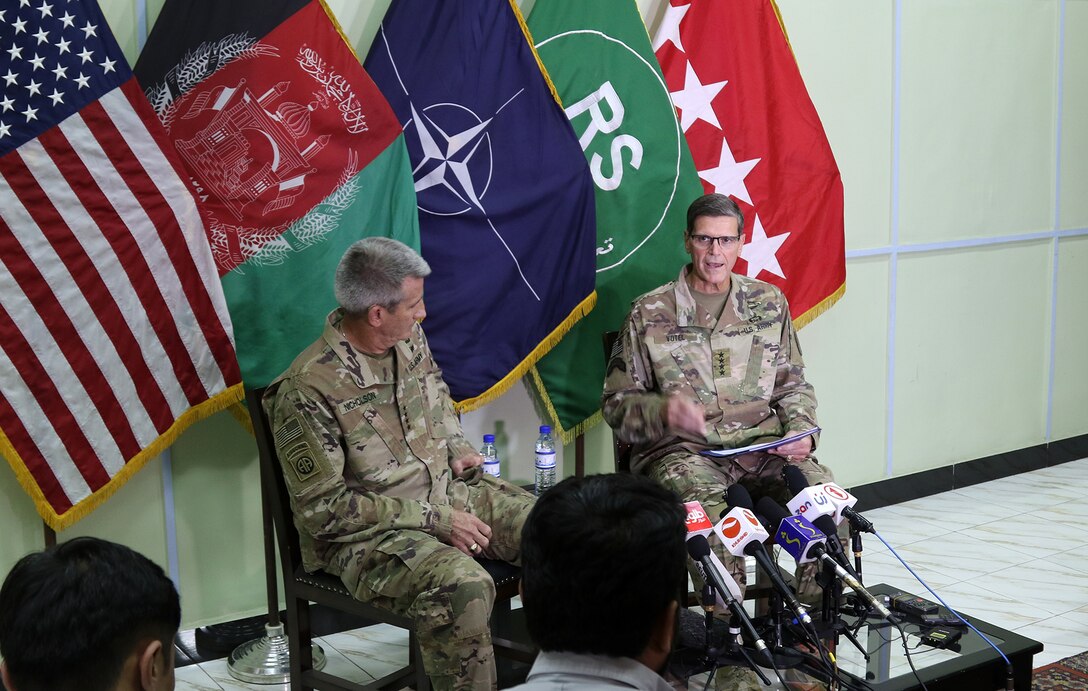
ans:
(630, 402)
(793, 400)
(310, 447)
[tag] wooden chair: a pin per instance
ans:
(621, 450)
(301, 588)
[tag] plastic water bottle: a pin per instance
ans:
(545, 460)
(491, 456)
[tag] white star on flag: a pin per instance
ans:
(761, 252)
(694, 100)
(669, 31)
(728, 177)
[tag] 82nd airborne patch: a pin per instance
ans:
(293, 449)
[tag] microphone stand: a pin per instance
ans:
(832, 611)
(710, 653)
(855, 546)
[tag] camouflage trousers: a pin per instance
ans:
(445, 592)
(705, 480)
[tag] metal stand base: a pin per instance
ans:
(267, 660)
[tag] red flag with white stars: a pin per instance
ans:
(755, 136)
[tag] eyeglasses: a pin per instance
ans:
(705, 242)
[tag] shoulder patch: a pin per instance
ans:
(293, 450)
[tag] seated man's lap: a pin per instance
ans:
(500, 504)
(418, 576)
(704, 479)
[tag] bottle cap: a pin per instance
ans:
(489, 438)
(545, 429)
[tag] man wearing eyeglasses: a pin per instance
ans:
(710, 361)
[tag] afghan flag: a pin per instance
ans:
(291, 151)
(755, 136)
(114, 334)
(600, 60)
(505, 196)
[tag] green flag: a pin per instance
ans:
(292, 155)
(599, 57)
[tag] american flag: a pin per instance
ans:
(114, 333)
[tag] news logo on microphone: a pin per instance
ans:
(840, 499)
(740, 527)
(798, 536)
(697, 522)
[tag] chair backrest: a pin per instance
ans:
(275, 488)
(621, 450)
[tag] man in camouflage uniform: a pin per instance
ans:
(711, 360)
(385, 490)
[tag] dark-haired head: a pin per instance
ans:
(72, 615)
(714, 205)
(612, 545)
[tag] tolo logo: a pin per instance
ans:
(696, 520)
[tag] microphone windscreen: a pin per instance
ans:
(736, 495)
(794, 478)
(772, 510)
(826, 524)
(698, 548)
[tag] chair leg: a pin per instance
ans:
(298, 640)
(415, 658)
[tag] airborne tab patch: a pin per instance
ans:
(293, 449)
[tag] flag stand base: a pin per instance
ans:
(267, 660)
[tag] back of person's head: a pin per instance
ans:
(372, 271)
(603, 558)
(71, 615)
(713, 205)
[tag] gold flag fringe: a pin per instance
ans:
(785, 34)
(84, 507)
(532, 47)
(339, 29)
(503, 385)
(566, 435)
(240, 413)
(820, 307)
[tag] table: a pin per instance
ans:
(970, 665)
(973, 665)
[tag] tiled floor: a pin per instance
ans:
(1011, 552)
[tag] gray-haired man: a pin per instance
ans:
(386, 491)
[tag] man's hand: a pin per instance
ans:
(460, 465)
(682, 415)
(795, 450)
(469, 533)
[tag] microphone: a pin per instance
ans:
(815, 505)
(699, 525)
(699, 551)
(742, 534)
(798, 536)
(844, 507)
(696, 521)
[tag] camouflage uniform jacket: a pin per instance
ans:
(365, 445)
(746, 369)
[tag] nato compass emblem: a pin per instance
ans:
(452, 145)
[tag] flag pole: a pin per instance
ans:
(267, 660)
